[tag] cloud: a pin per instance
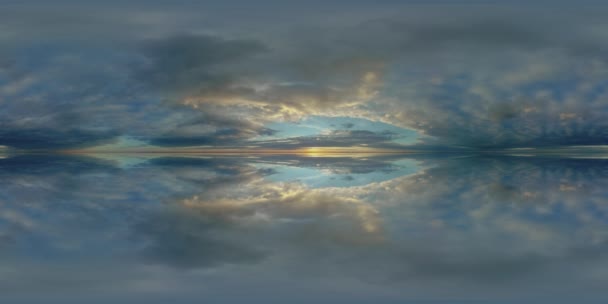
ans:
(335, 138)
(464, 77)
(464, 80)
(55, 96)
(198, 65)
(482, 82)
(211, 127)
(61, 98)
(42, 139)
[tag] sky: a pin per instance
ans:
(263, 123)
(285, 75)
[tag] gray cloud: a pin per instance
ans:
(63, 98)
(211, 128)
(335, 138)
(466, 80)
(44, 139)
(477, 76)
(198, 64)
(481, 81)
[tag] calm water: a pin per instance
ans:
(289, 229)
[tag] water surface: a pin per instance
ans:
(295, 229)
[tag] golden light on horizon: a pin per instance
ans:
(303, 151)
(315, 151)
(338, 151)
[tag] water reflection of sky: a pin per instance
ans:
(317, 172)
(336, 230)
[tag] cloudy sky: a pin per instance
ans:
(287, 75)
(525, 78)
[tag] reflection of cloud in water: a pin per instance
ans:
(498, 221)
(198, 232)
(463, 228)
(338, 172)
